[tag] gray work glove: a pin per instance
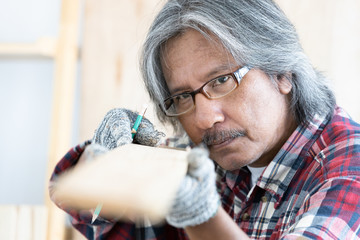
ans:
(197, 199)
(115, 130)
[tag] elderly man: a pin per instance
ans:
(233, 76)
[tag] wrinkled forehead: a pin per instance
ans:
(203, 36)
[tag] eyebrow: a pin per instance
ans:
(215, 72)
(212, 74)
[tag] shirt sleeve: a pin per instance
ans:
(81, 220)
(331, 212)
(69, 160)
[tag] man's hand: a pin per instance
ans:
(115, 130)
(197, 199)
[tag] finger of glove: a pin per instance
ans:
(95, 149)
(192, 189)
(147, 134)
(195, 202)
(114, 130)
(92, 151)
(187, 188)
(200, 164)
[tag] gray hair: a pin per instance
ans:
(256, 33)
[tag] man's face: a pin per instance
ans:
(257, 110)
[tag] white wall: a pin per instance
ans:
(25, 101)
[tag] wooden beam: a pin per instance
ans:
(62, 106)
(44, 47)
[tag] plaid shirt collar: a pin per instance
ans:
(279, 173)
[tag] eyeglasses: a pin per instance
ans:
(182, 103)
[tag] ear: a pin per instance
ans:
(284, 83)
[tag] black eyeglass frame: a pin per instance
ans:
(238, 75)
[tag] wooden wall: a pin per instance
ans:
(113, 33)
(329, 31)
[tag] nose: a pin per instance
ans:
(207, 112)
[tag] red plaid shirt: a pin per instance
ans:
(311, 189)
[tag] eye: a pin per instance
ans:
(168, 103)
(181, 98)
(220, 81)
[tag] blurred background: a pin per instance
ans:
(65, 63)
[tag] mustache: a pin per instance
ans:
(217, 137)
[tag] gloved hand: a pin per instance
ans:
(115, 130)
(197, 199)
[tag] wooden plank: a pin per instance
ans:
(8, 222)
(39, 224)
(132, 180)
(23, 222)
(44, 47)
(63, 102)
